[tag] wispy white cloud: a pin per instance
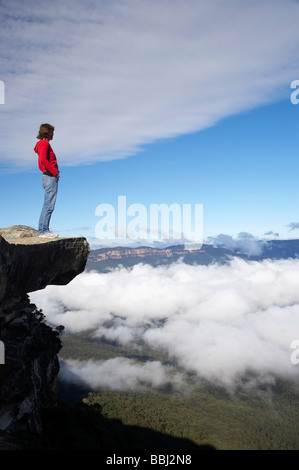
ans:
(114, 76)
(218, 321)
(245, 243)
(120, 374)
(293, 226)
(271, 234)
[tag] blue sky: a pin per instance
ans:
(182, 102)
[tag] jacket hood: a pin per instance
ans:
(38, 144)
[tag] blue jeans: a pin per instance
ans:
(50, 185)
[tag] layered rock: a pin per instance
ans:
(28, 375)
(29, 263)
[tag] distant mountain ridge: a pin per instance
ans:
(106, 258)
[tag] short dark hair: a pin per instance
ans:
(45, 131)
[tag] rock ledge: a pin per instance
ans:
(29, 263)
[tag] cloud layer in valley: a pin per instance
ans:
(115, 76)
(219, 321)
(121, 374)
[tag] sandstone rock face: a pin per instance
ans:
(28, 375)
(29, 263)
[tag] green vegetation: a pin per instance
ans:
(267, 418)
(209, 417)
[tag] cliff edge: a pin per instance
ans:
(28, 364)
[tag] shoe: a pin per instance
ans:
(48, 235)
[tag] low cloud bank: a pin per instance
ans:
(218, 321)
(120, 374)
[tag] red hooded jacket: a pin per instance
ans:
(46, 157)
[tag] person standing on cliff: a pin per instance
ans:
(47, 163)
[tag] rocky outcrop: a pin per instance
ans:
(29, 263)
(28, 375)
